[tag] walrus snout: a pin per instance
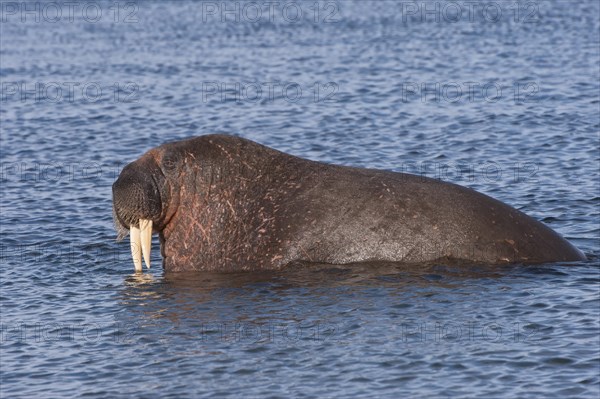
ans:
(137, 205)
(136, 196)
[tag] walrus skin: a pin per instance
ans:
(225, 203)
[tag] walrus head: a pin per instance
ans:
(141, 196)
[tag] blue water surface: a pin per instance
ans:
(499, 96)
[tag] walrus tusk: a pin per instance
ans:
(136, 248)
(146, 238)
(141, 243)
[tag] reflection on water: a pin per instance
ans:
(209, 302)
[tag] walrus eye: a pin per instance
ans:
(141, 243)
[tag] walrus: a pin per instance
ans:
(224, 203)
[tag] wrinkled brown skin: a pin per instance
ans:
(225, 203)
